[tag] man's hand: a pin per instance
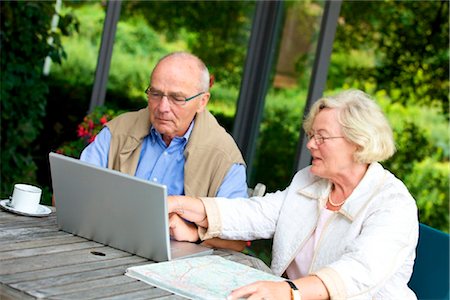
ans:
(181, 230)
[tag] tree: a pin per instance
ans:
(410, 41)
(220, 39)
(25, 29)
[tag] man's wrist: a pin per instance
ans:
(295, 293)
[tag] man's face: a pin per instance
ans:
(178, 77)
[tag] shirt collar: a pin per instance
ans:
(155, 135)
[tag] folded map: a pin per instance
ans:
(203, 277)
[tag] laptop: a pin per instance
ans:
(115, 209)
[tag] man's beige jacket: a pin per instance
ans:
(210, 151)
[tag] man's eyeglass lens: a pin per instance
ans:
(174, 99)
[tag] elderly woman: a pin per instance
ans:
(344, 228)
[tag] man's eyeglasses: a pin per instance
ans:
(321, 139)
(178, 100)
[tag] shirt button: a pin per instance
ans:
(165, 153)
(155, 179)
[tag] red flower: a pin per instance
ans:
(90, 124)
(81, 132)
(103, 120)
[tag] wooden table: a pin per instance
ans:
(39, 261)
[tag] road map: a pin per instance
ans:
(204, 277)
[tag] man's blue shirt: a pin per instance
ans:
(164, 164)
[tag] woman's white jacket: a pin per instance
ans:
(367, 248)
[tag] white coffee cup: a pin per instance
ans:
(26, 198)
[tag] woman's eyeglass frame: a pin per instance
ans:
(319, 140)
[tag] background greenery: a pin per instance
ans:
(383, 48)
(25, 29)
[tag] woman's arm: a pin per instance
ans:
(193, 210)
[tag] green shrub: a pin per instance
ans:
(276, 149)
(88, 130)
(25, 30)
(278, 138)
(429, 184)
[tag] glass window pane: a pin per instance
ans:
(220, 39)
(286, 97)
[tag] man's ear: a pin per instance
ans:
(203, 101)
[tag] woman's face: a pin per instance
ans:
(331, 157)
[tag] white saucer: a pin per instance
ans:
(42, 210)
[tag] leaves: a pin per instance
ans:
(87, 130)
(25, 30)
(410, 39)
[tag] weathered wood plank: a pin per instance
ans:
(77, 268)
(73, 278)
(26, 233)
(8, 293)
(171, 297)
(33, 236)
(41, 242)
(110, 291)
(144, 295)
(29, 222)
(79, 286)
(33, 252)
(8, 218)
(67, 258)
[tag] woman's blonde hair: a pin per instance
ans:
(363, 123)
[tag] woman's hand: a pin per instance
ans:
(181, 230)
(263, 290)
(189, 208)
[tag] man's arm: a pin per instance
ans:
(97, 152)
(234, 185)
(217, 243)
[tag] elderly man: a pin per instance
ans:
(175, 141)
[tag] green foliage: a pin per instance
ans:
(81, 47)
(137, 48)
(429, 184)
(88, 130)
(25, 30)
(406, 138)
(411, 42)
(220, 39)
(261, 249)
(274, 163)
